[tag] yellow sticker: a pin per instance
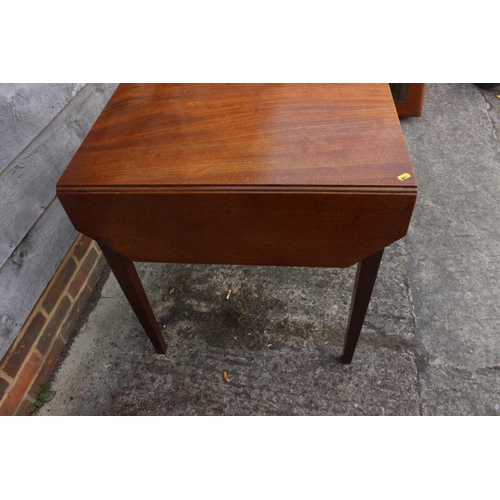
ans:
(404, 176)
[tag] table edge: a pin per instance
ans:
(69, 189)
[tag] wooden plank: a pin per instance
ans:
(25, 110)
(246, 135)
(26, 274)
(27, 185)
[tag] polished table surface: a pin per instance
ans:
(255, 174)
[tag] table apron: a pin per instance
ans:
(315, 229)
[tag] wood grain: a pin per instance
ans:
(27, 185)
(25, 275)
(294, 228)
(41, 126)
(25, 110)
(244, 135)
(243, 174)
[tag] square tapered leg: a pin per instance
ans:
(363, 287)
(126, 275)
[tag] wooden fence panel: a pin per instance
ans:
(25, 275)
(27, 185)
(41, 127)
(25, 110)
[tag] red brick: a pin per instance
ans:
(53, 325)
(48, 366)
(96, 273)
(82, 247)
(22, 348)
(23, 408)
(20, 386)
(83, 273)
(78, 306)
(4, 384)
(58, 284)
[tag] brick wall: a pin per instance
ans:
(31, 359)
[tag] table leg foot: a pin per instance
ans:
(128, 279)
(363, 286)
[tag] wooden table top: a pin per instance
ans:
(278, 136)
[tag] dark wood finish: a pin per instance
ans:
(365, 280)
(296, 228)
(297, 175)
(126, 275)
(408, 98)
(243, 174)
(400, 91)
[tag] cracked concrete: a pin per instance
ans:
(455, 243)
(429, 346)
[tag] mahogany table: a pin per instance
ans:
(257, 174)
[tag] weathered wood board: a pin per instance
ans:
(25, 275)
(41, 127)
(27, 185)
(25, 110)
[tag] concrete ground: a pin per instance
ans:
(431, 340)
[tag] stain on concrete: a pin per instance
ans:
(278, 337)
